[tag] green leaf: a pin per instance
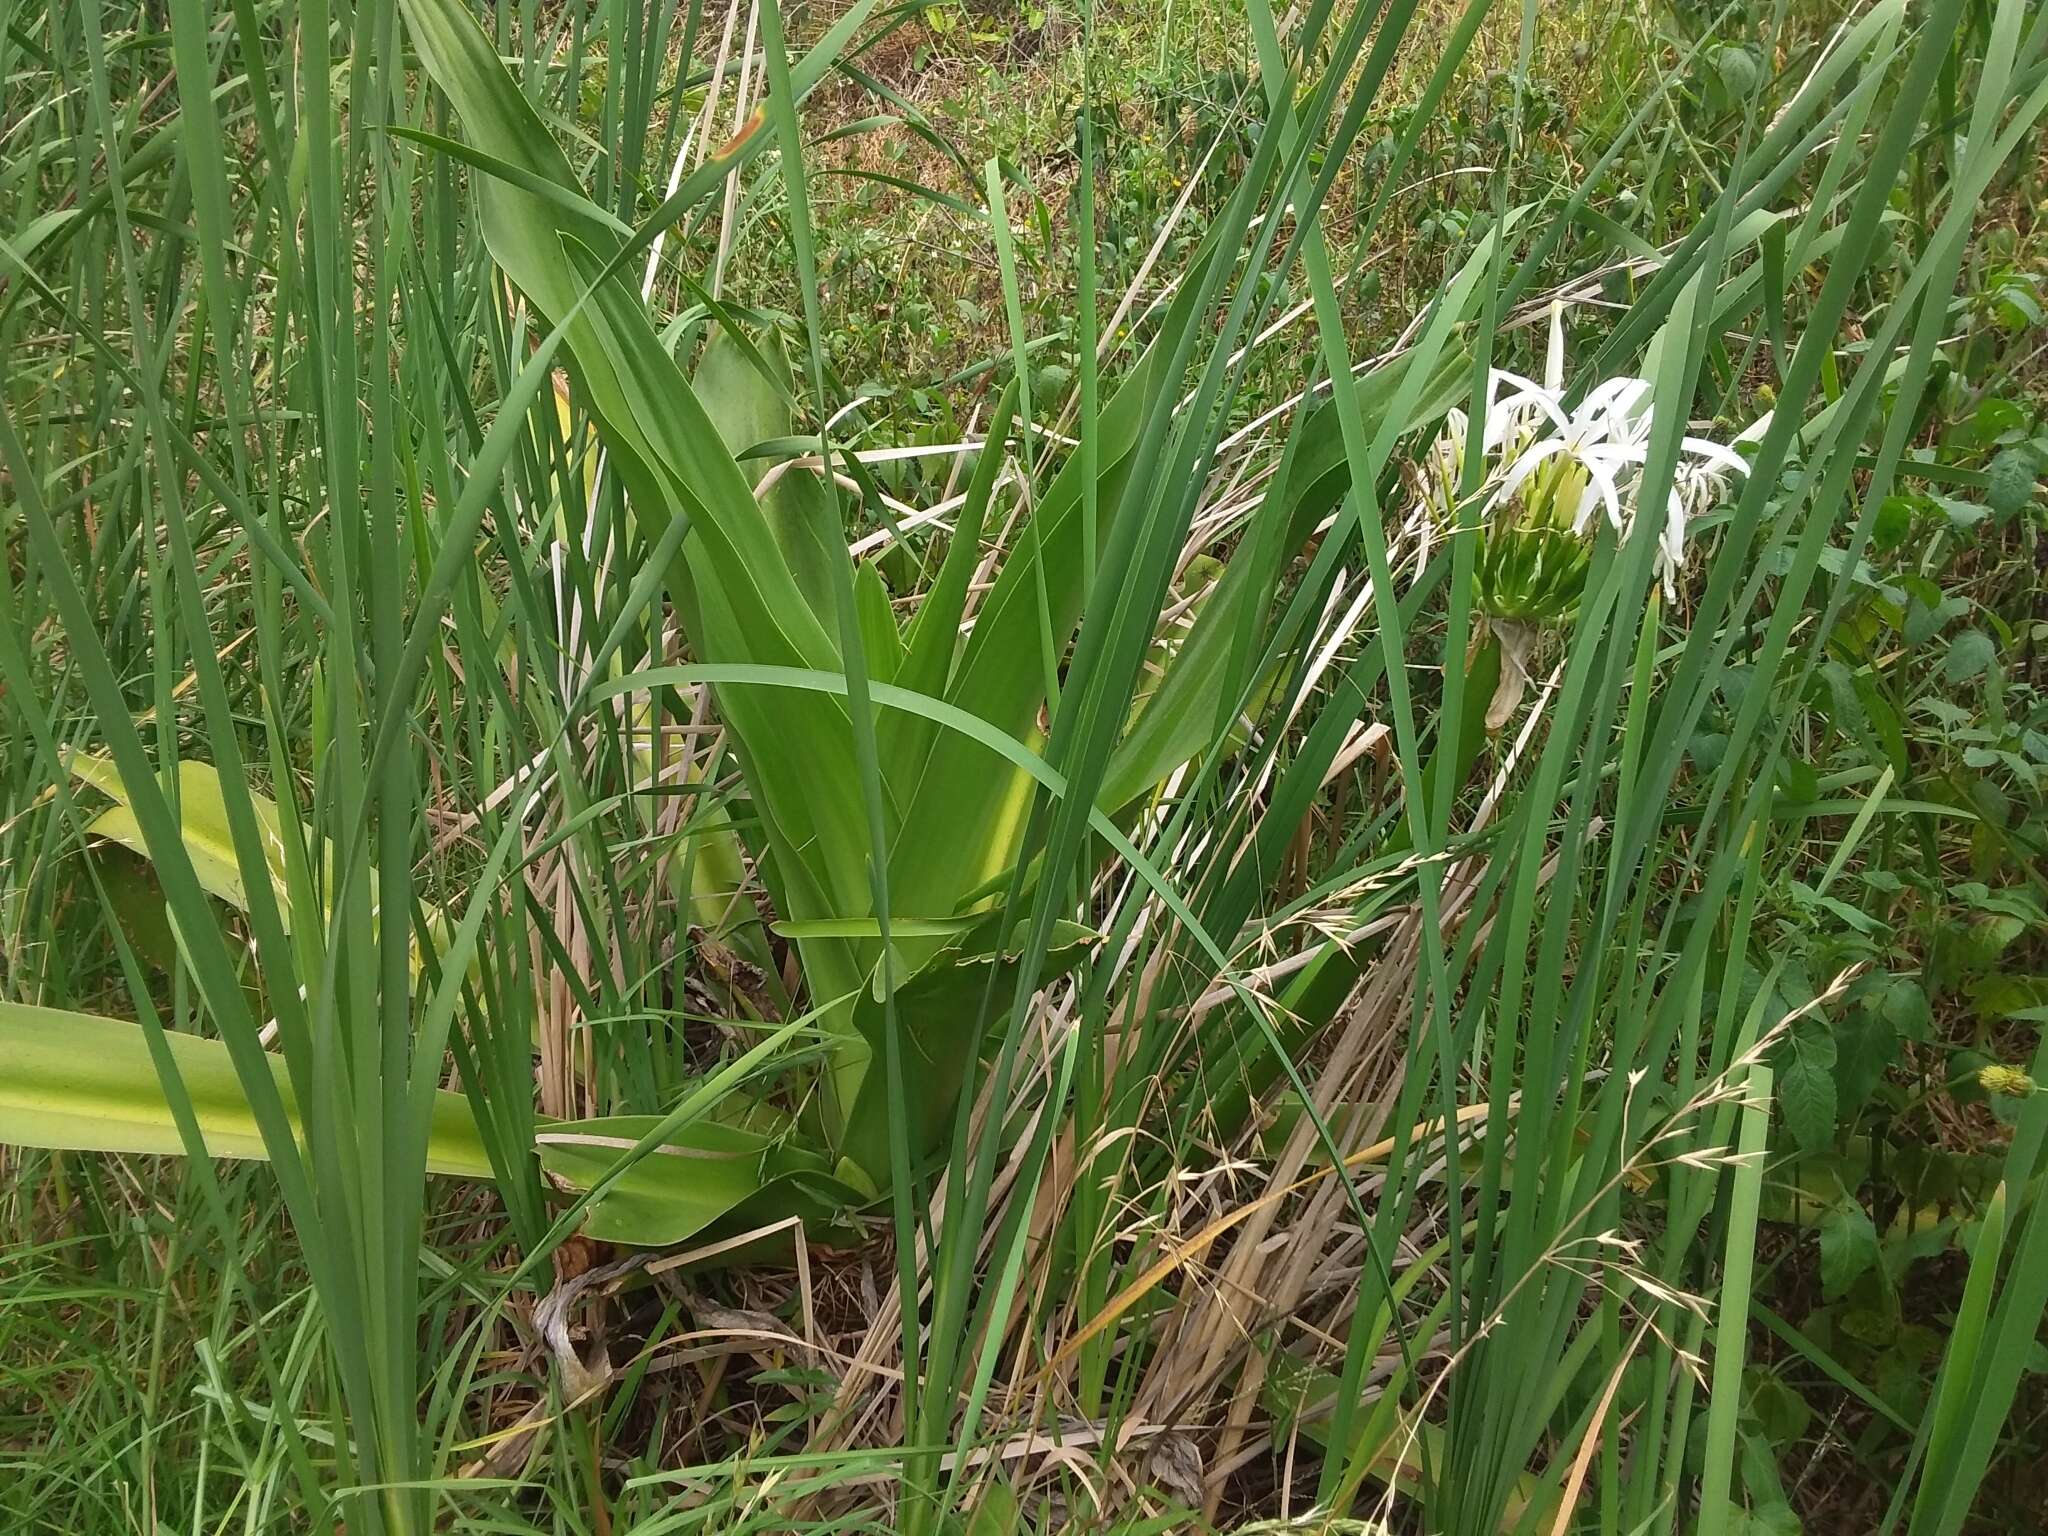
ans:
(1737, 70)
(1927, 615)
(1867, 1044)
(1975, 945)
(931, 639)
(79, 1082)
(1774, 1406)
(1894, 521)
(880, 639)
(703, 1173)
(202, 827)
(1851, 916)
(2009, 480)
(1962, 515)
(1806, 1089)
(136, 899)
(1970, 654)
(959, 801)
(748, 407)
(1769, 1510)
(1848, 1246)
(937, 1008)
(741, 598)
(1904, 1005)
(871, 928)
(1179, 716)
(998, 1513)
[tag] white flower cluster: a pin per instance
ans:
(1595, 453)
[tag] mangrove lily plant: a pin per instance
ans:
(918, 798)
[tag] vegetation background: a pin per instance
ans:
(1376, 859)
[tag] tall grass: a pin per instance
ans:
(1217, 959)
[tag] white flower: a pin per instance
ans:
(1537, 451)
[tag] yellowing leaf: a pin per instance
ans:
(202, 827)
(78, 1082)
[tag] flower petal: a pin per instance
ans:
(1508, 417)
(1715, 454)
(1553, 359)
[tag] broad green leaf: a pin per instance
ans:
(1905, 1007)
(937, 1007)
(79, 1082)
(675, 1190)
(203, 828)
(880, 639)
(750, 408)
(957, 799)
(932, 638)
(871, 928)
